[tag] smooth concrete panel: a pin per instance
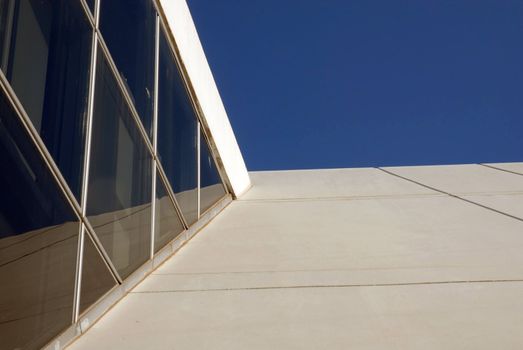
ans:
(363, 260)
(511, 204)
(514, 167)
(462, 179)
(446, 316)
(441, 237)
(326, 183)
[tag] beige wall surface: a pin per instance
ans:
(341, 259)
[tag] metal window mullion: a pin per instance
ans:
(78, 274)
(153, 206)
(96, 13)
(155, 125)
(85, 178)
(88, 228)
(198, 158)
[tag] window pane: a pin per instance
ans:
(128, 28)
(38, 243)
(45, 54)
(90, 3)
(177, 134)
(167, 225)
(96, 277)
(119, 194)
(211, 189)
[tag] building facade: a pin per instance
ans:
(108, 155)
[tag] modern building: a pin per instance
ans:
(114, 145)
(116, 150)
(395, 258)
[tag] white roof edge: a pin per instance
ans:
(215, 117)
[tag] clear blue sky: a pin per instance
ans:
(340, 83)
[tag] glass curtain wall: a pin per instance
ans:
(167, 221)
(58, 103)
(211, 186)
(128, 28)
(119, 195)
(38, 242)
(177, 133)
(45, 54)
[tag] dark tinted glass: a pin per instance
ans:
(90, 3)
(119, 194)
(167, 224)
(96, 277)
(211, 187)
(177, 134)
(45, 53)
(38, 243)
(128, 28)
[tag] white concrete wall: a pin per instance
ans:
(182, 26)
(341, 259)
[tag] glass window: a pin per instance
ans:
(90, 3)
(45, 54)
(96, 276)
(211, 187)
(167, 224)
(119, 194)
(177, 127)
(38, 243)
(128, 28)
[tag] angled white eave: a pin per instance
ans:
(212, 111)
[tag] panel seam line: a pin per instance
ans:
(451, 195)
(356, 285)
(500, 169)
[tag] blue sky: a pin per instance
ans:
(339, 83)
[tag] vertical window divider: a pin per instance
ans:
(85, 177)
(198, 165)
(155, 126)
(78, 273)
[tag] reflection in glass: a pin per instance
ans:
(96, 277)
(38, 243)
(211, 187)
(167, 224)
(128, 28)
(177, 144)
(119, 194)
(45, 54)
